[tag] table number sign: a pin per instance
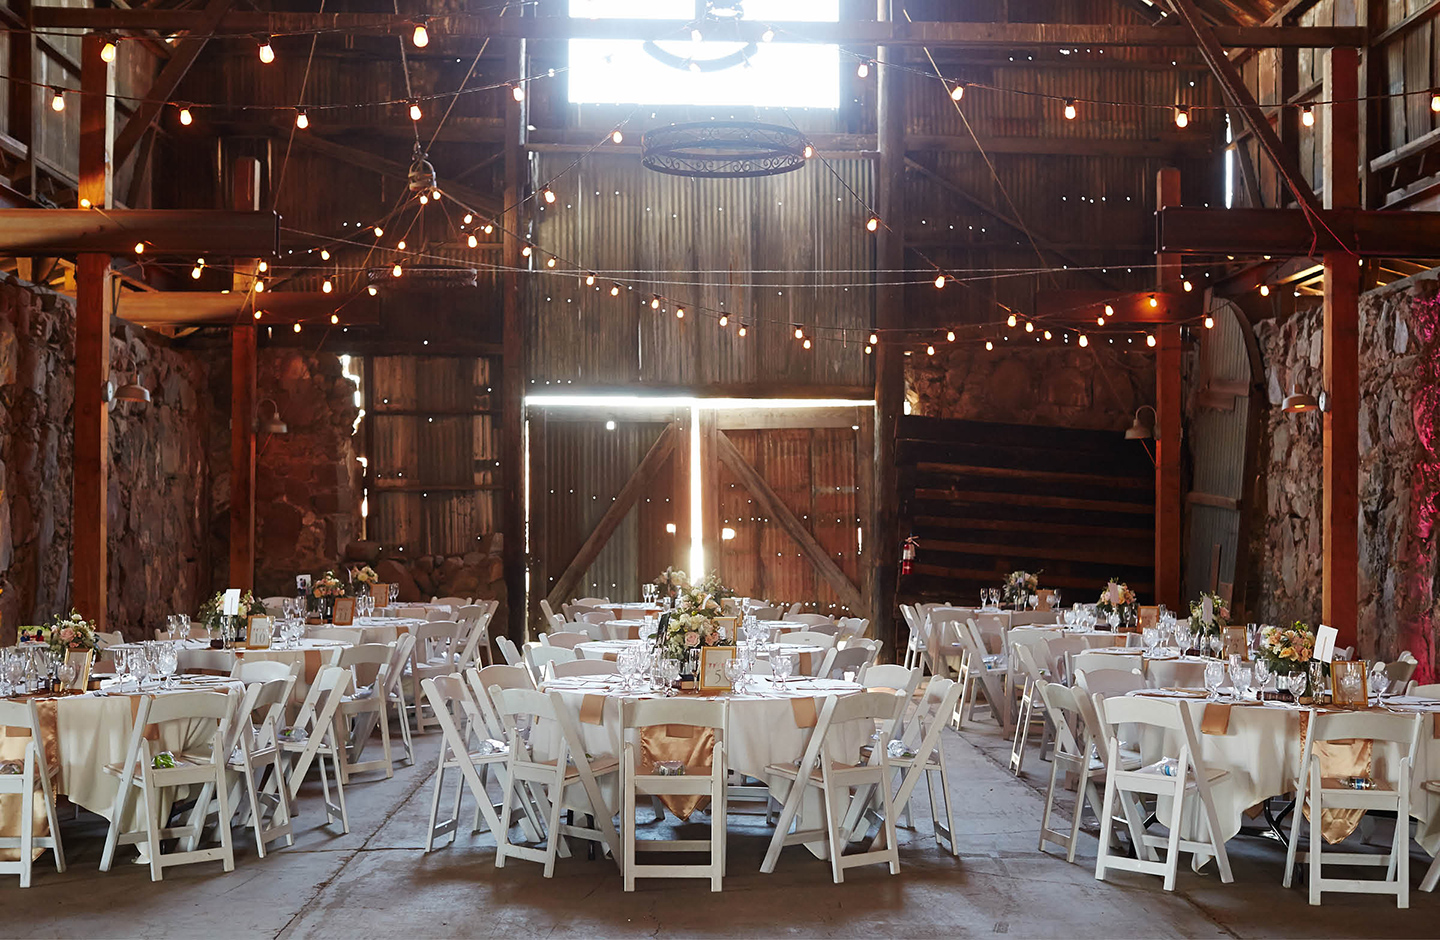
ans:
(81, 660)
(381, 592)
(1349, 683)
(712, 668)
(259, 632)
(344, 614)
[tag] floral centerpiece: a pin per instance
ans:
(362, 578)
(214, 620)
(72, 632)
(1018, 586)
(323, 592)
(1219, 615)
(671, 580)
(692, 624)
(1287, 650)
(1118, 599)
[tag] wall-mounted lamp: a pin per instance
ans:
(272, 424)
(1142, 432)
(1298, 401)
(130, 391)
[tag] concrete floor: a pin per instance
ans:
(378, 882)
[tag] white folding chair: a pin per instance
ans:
(766, 613)
(991, 629)
(553, 621)
(202, 765)
(923, 754)
(252, 745)
(448, 698)
(1431, 691)
(816, 620)
(509, 651)
(988, 671)
(454, 603)
(835, 780)
(365, 707)
(351, 636)
(476, 649)
(551, 782)
(914, 646)
(892, 676)
(564, 639)
(1023, 657)
(536, 657)
(35, 773)
(393, 689)
(665, 715)
(314, 738)
(1091, 660)
(852, 628)
(1392, 794)
(853, 661)
(592, 601)
(807, 638)
(1181, 778)
(581, 667)
(1109, 683)
(1059, 650)
(489, 726)
(264, 670)
(436, 653)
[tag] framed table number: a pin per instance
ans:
(344, 614)
(259, 632)
(81, 660)
(712, 668)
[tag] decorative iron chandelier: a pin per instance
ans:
(723, 149)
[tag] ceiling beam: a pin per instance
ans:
(224, 308)
(37, 232)
(933, 35)
(369, 160)
(1372, 233)
(1085, 306)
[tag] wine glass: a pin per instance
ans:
(1214, 676)
(66, 672)
(782, 665)
(671, 668)
(1379, 682)
(735, 673)
(1261, 670)
(1151, 637)
(1295, 683)
(1240, 681)
(394, 592)
(1217, 644)
(168, 661)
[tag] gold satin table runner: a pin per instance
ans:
(691, 746)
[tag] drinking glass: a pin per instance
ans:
(1295, 683)
(394, 592)
(1261, 670)
(1055, 598)
(735, 673)
(65, 672)
(1240, 681)
(1214, 676)
(782, 664)
(984, 597)
(1217, 644)
(182, 625)
(1379, 682)
(168, 662)
(671, 668)
(1113, 620)
(1151, 636)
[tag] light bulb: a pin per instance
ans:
(324, 254)
(957, 93)
(1182, 116)
(863, 70)
(488, 229)
(57, 100)
(939, 281)
(186, 118)
(590, 280)
(614, 290)
(1187, 286)
(259, 285)
(400, 244)
(724, 319)
(267, 51)
(1029, 327)
(421, 36)
(424, 199)
(872, 224)
(334, 318)
(1047, 334)
(195, 272)
(799, 333)
(526, 252)
(327, 287)
(1109, 311)
(1307, 116)
(869, 350)
(257, 314)
(1264, 290)
(1099, 321)
(696, 35)
(1154, 302)
(950, 336)
(929, 350)
(468, 218)
(550, 262)
(379, 232)
(107, 51)
(1435, 101)
(297, 328)
(472, 241)
(415, 113)
(768, 35)
(397, 270)
(302, 120)
(1010, 320)
(1209, 322)
(989, 345)
(742, 331)
(679, 313)
(371, 290)
(139, 248)
(548, 195)
(874, 339)
(517, 92)
(262, 267)
(1149, 339)
(1070, 111)
(806, 344)
(616, 136)
(1084, 340)
(809, 151)
(655, 302)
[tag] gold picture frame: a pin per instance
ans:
(1338, 671)
(344, 613)
(380, 590)
(81, 660)
(712, 668)
(259, 632)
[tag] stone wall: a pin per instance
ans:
(1399, 473)
(157, 472)
(1051, 384)
(476, 574)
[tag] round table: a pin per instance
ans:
(611, 649)
(761, 730)
(197, 656)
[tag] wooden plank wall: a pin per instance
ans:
(986, 499)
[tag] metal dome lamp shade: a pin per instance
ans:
(1298, 401)
(130, 391)
(1139, 431)
(272, 424)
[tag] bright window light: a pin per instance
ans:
(711, 72)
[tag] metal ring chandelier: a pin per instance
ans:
(723, 150)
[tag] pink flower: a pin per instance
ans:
(67, 634)
(692, 639)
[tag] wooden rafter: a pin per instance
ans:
(367, 160)
(772, 505)
(639, 482)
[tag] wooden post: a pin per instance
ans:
(245, 195)
(536, 501)
(709, 494)
(680, 498)
(512, 363)
(889, 314)
(1340, 511)
(92, 346)
(22, 96)
(1168, 513)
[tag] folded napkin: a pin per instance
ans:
(1216, 719)
(592, 709)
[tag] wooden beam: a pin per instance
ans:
(709, 495)
(245, 195)
(635, 487)
(1238, 93)
(216, 308)
(21, 124)
(934, 35)
(90, 531)
(1340, 507)
(1083, 306)
(1168, 405)
(369, 160)
(537, 483)
(46, 232)
(512, 361)
(1373, 233)
(770, 503)
(148, 108)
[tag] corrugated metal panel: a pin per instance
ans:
(617, 218)
(1217, 446)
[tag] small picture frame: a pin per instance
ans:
(1345, 690)
(81, 660)
(344, 612)
(712, 668)
(259, 632)
(302, 584)
(381, 592)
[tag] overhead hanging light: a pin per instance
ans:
(957, 92)
(57, 100)
(421, 36)
(186, 118)
(1142, 432)
(1307, 116)
(517, 92)
(273, 424)
(302, 120)
(1070, 111)
(129, 391)
(107, 51)
(415, 113)
(267, 51)
(863, 69)
(1182, 116)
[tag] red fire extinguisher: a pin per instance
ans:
(908, 549)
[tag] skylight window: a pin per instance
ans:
(785, 73)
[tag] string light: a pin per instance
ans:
(186, 118)
(415, 113)
(424, 199)
(57, 101)
(379, 232)
(1047, 334)
(929, 350)
(806, 344)
(869, 349)
(400, 245)
(324, 254)
(742, 331)
(195, 272)
(655, 302)
(267, 51)
(297, 328)
(1029, 326)
(397, 270)
(468, 219)
(526, 252)
(489, 228)
(1070, 111)
(302, 120)
(259, 285)
(421, 36)
(863, 70)
(334, 318)
(1187, 285)
(517, 92)
(957, 92)
(590, 279)
(262, 267)
(1154, 301)
(1435, 101)
(472, 241)
(1010, 320)
(614, 290)
(548, 195)
(371, 290)
(107, 51)
(799, 332)
(939, 281)
(139, 248)
(872, 224)
(950, 336)
(1109, 311)
(768, 35)
(679, 313)
(327, 287)
(1084, 340)
(1099, 321)
(1264, 290)
(257, 314)
(550, 262)
(1182, 116)
(724, 319)
(874, 340)
(1149, 339)
(1307, 116)
(989, 344)
(616, 136)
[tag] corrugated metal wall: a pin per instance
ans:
(433, 442)
(703, 236)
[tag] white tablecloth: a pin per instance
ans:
(197, 656)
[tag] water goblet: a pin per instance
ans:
(1214, 676)
(65, 673)
(1261, 670)
(1240, 681)
(735, 673)
(1295, 683)
(1113, 620)
(782, 665)
(394, 592)
(1216, 644)
(1151, 636)
(169, 662)
(672, 675)
(1379, 682)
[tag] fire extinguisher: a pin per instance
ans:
(908, 548)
